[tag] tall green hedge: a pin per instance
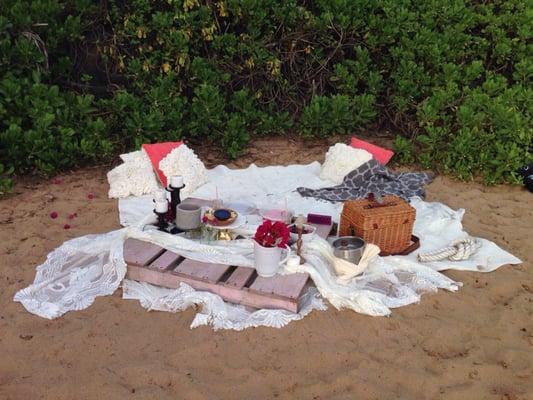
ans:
(83, 79)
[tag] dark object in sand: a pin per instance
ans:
(528, 182)
(526, 170)
(527, 174)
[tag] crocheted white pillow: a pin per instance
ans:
(134, 177)
(183, 161)
(342, 159)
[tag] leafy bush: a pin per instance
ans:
(42, 126)
(82, 79)
(6, 183)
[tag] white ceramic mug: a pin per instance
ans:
(267, 260)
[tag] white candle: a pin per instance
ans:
(160, 195)
(293, 261)
(161, 206)
(176, 181)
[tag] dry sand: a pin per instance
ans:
(473, 344)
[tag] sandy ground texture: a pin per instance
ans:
(473, 344)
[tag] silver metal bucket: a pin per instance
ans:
(349, 248)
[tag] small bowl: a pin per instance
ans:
(309, 231)
(222, 214)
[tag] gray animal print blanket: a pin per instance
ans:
(372, 177)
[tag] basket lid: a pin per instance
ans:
(387, 213)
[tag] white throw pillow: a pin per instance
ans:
(183, 161)
(134, 177)
(342, 159)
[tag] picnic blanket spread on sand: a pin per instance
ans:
(81, 269)
(372, 177)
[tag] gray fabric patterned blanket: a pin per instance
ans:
(372, 177)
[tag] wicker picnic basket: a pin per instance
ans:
(388, 224)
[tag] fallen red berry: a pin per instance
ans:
(66, 226)
(57, 181)
(53, 215)
(71, 216)
(90, 196)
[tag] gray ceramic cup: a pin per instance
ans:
(188, 216)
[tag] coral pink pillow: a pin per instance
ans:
(382, 155)
(156, 152)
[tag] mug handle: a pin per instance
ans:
(287, 257)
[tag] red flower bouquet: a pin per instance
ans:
(272, 234)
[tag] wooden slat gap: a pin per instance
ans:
(227, 274)
(251, 280)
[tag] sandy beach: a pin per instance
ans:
(473, 344)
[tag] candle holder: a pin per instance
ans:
(162, 223)
(174, 198)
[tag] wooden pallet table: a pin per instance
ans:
(151, 263)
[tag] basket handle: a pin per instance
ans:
(376, 200)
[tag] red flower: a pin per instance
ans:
(53, 215)
(90, 195)
(271, 234)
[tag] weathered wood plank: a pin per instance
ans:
(264, 285)
(290, 285)
(240, 296)
(137, 252)
(203, 271)
(240, 277)
(167, 260)
(282, 286)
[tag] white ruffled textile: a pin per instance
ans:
(342, 159)
(83, 268)
(183, 161)
(134, 177)
(215, 311)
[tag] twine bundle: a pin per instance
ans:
(458, 250)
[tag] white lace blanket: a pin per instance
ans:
(81, 269)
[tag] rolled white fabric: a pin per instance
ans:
(346, 270)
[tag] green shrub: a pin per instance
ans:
(6, 182)
(43, 127)
(82, 79)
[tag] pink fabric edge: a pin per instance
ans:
(381, 154)
(156, 152)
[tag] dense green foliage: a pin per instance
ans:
(82, 79)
